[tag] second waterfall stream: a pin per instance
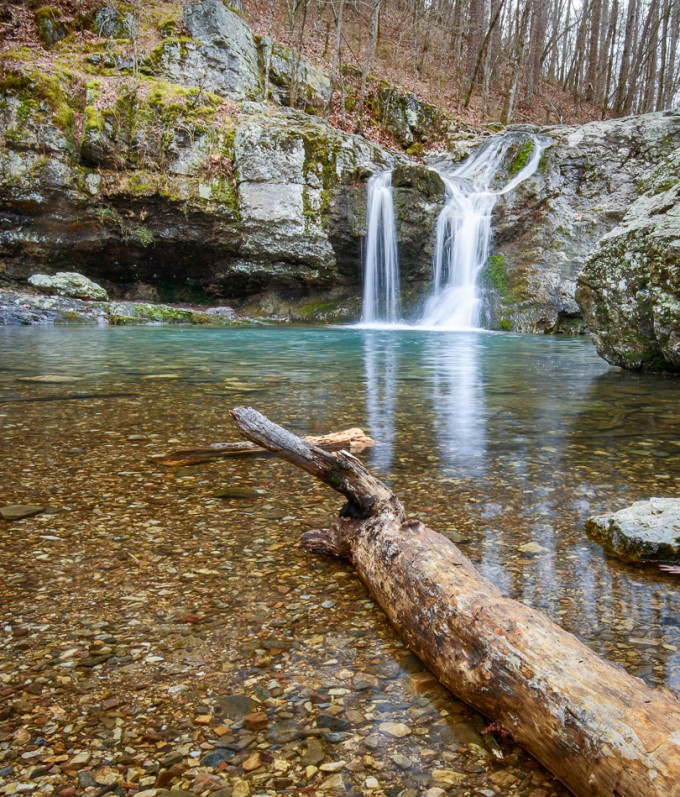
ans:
(463, 234)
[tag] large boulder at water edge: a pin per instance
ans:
(645, 531)
(629, 290)
(68, 283)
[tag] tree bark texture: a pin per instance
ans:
(598, 729)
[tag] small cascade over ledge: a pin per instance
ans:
(463, 235)
(463, 232)
(381, 301)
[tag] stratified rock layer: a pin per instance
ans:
(645, 531)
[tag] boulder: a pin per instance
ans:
(68, 283)
(313, 82)
(409, 120)
(51, 28)
(646, 531)
(629, 289)
(112, 24)
(296, 181)
(223, 58)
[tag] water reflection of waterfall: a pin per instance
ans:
(463, 231)
(458, 401)
(381, 303)
(381, 370)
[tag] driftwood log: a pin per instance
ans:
(596, 728)
(354, 439)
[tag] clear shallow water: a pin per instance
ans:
(496, 440)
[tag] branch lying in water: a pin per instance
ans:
(354, 439)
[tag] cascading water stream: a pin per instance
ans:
(464, 231)
(381, 304)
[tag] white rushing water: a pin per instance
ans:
(381, 302)
(464, 231)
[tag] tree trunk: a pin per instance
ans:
(474, 41)
(591, 93)
(610, 48)
(671, 77)
(626, 54)
(509, 107)
(539, 21)
(335, 64)
(598, 729)
(368, 63)
(483, 53)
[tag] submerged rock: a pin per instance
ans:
(20, 511)
(645, 531)
(68, 283)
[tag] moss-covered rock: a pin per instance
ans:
(51, 27)
(419, 196)
(221, 57)
(68, 283)
(629, 289)
(111, 23)
(547, 226)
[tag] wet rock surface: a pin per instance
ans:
(419, 196)
(645, 531)
(29, 308)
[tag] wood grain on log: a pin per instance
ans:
(598, 729)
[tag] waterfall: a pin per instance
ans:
(381, 304)
(463, 233)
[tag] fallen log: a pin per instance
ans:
(595, 727)
(354, 439)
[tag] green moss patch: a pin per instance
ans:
(521, 157)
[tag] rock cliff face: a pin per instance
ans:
(160, 191)
(547, 226)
